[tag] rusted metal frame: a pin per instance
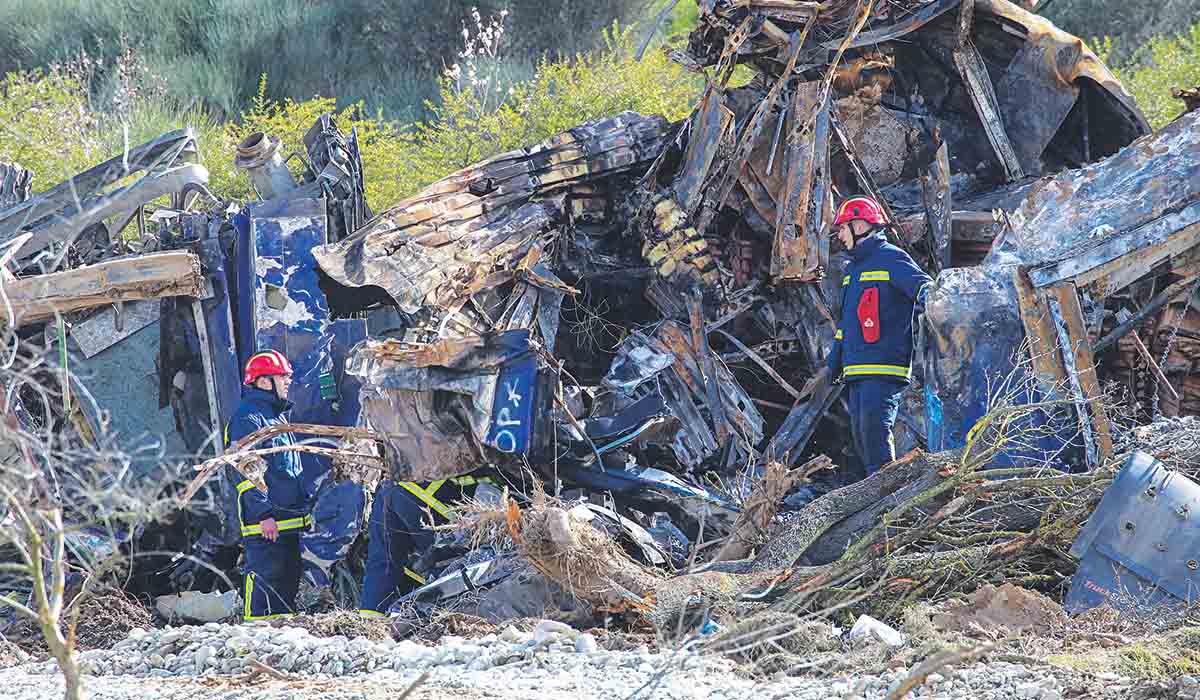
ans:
(754, 357)
(733, 44)
(1081, 370)
(1039, 329)
(966, 21)
(753, 128)
(1181, 228)
(1154, 368)
(918, 19)
(983, 95)
(810, 109)
(704, 355)
(1160, 300)
(935, 191)
(745, 303)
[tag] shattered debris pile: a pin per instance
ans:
(626, 326)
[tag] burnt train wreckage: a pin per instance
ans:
(640, 309)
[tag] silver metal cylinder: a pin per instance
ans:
(258, 154)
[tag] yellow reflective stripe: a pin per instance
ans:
(245, 486)
(889, 370)
(426, 497)
(249, 592)
(846, 281)
(370, 613)
(289, 524)
(464, 480)
(838, 335)
(414, 576)
(875, 276)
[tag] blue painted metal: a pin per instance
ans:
(511, 429)
(283, 308)
(290, 313)
(1141, 547)
(974, 338)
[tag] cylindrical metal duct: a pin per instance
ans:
(258, 155)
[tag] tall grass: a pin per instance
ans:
(387, 54)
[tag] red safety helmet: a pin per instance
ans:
(268, 363)
(860, 209)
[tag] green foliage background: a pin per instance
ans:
(61, 112)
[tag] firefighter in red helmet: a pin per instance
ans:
(882, 289)
(270, 522)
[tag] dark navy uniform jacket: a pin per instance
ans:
(287, 501)
(881, 289)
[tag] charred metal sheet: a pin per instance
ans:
(16, 185)
(1035, 99)
(1072, 63)
(111, 326)
(935, 184)
(59, 215)
(983, 96)
(1140, 198)
(710, 126)
(972, 358)
(436, 417)
(796, 254)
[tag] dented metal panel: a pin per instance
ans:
(1138, 198)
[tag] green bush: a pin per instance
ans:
(562, 94)
(1167, 62)
(47, 126)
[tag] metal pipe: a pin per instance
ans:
(258, 155)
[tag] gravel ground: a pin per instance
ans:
(216, 662)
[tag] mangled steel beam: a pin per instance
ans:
(55, 218)
(153, 276)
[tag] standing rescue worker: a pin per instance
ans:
(399, 536)
(270, 522)
(882, 289)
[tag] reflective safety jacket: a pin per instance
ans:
(286, 499)
(881, 291)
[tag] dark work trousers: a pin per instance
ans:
(397, 538)
(272, 576)
(874, 403)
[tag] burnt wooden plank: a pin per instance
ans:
(152, 276)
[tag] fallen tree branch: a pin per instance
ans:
(238, 453)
